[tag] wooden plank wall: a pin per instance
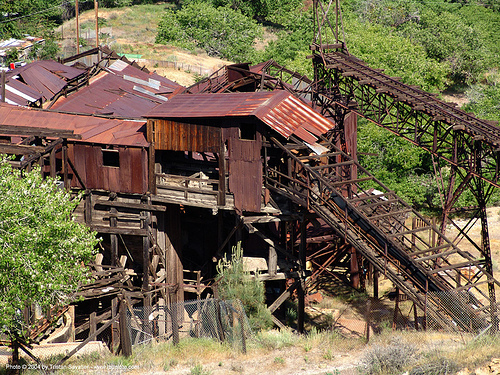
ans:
(178, 136)
(130, 177)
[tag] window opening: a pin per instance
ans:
(110, 158)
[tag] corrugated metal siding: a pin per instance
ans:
(245, 170)
(130, 177)
(178, 136)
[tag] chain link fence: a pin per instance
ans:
(225, 321)
(455, 313)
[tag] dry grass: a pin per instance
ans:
(132, 30)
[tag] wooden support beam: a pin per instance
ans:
(20, 149)
(138, 206)
(272, 265)
(282, 298)
(90, 338)
(125, 342)
(301, 288)
(221, 198)
(115, 330)
(38, 132)
(151, 167)
(125, 231)
(145, 251)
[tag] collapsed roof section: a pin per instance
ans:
(41, 81)
(120, 90)
(92, 129)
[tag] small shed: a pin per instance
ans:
(110, 154)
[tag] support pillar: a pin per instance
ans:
(301, 292)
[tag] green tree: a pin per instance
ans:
(42, 250)
(11, 55)
(404, 168)
(45, 51)
(484, 100)
(221, 31)
(382, 48)
(34, 17)
(235, 283)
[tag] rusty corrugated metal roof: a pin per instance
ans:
(17, 93)
(278, 109)
(46, 77)
(92, 129)
(122, 90)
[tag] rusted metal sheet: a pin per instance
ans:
(125, 92)
(18, 93)
(278, 109)
(178, 136)
(91, 129)
(245, 170)
(42, 80)
(129, 177)
(65, 72)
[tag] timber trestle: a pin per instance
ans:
(373, 219)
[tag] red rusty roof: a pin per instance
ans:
(17, 93)
(279, 109)
(122, 90)
(92, 129)
(47, 77)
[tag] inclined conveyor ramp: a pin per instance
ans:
(435, 275)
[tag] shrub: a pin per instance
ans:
(221, 32)
(441, 366)
(389, 359)
(236, 283)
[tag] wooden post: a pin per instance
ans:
(77, 29)
(301, 290)
(396, 309)
(221, 199)
(375, 283)
(52, 162)
(96, 23)
(354, 268)
(145, 221)
(175, 323)
(151, 168)
(272, 265)
(125, 342)
(148, 329)
(173, 252)
(424, 322)
(113, 238)
(161, 318)
(93, 322)
(72, 315)
(65, 164)
(3, 86)
(415, 316)
(115, 330)
(243, 338)
(367, 319)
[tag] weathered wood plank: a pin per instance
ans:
(139, 206)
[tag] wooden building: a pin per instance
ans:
(170, 198)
